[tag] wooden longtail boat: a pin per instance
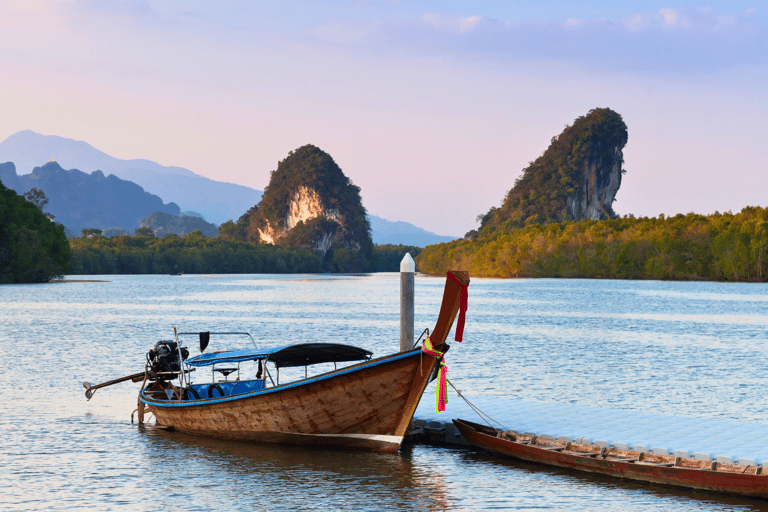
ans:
(366, 405)
(647, 467)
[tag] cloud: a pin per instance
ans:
(636, 23)
(670, 40)
(674, 18)
(701, 20)
(573, 22)
(452, 25)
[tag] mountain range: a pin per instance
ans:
(398, 232)
(220, 201)
(79, 200)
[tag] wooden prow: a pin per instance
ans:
(449, 308)
(427, 364)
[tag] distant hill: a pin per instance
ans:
(217, 201)
(110, 232)
(163, 224)
(8, 176)
(575, 179)
(310, 204)
(79, 200)
(402, 233)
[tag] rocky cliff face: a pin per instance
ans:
(309, 203)
(600, 180)
(576, 178)
(304, 205)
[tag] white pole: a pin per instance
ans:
(407, 270)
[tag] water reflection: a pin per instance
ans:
(285, 477)
(561, 484)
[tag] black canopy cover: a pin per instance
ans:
(313, 353)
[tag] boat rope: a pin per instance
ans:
(463, 300)
(477, 410)
(425, 331)
(441, 392)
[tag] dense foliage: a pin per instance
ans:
(195, 254)
(540, 194)
(341, 234)
(33, 248)
(387, 257)
(720, 247)
(192, 254)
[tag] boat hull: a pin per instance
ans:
(367, 406)
(727, 481)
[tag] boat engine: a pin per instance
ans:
(164, 359)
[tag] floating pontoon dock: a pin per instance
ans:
(700, 438)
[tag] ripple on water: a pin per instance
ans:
(692, 349)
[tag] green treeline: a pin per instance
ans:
(387, 257)
(33, 249)
(196, 254)
(191, 254)
(718, 247)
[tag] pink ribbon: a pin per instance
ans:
(441, 393)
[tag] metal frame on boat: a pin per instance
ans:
(647, 467)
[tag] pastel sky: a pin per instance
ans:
(432, 108)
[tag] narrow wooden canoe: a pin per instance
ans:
(646, 467)
(367, 405)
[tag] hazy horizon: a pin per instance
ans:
(432, 108)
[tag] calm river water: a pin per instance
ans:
(687, 349)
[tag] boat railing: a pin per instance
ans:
(205, 335)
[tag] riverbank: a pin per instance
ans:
(718, 247)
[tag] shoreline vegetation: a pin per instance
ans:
(196, 254)
(33, 248)
(717, 247)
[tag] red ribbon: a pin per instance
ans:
(462, 306)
